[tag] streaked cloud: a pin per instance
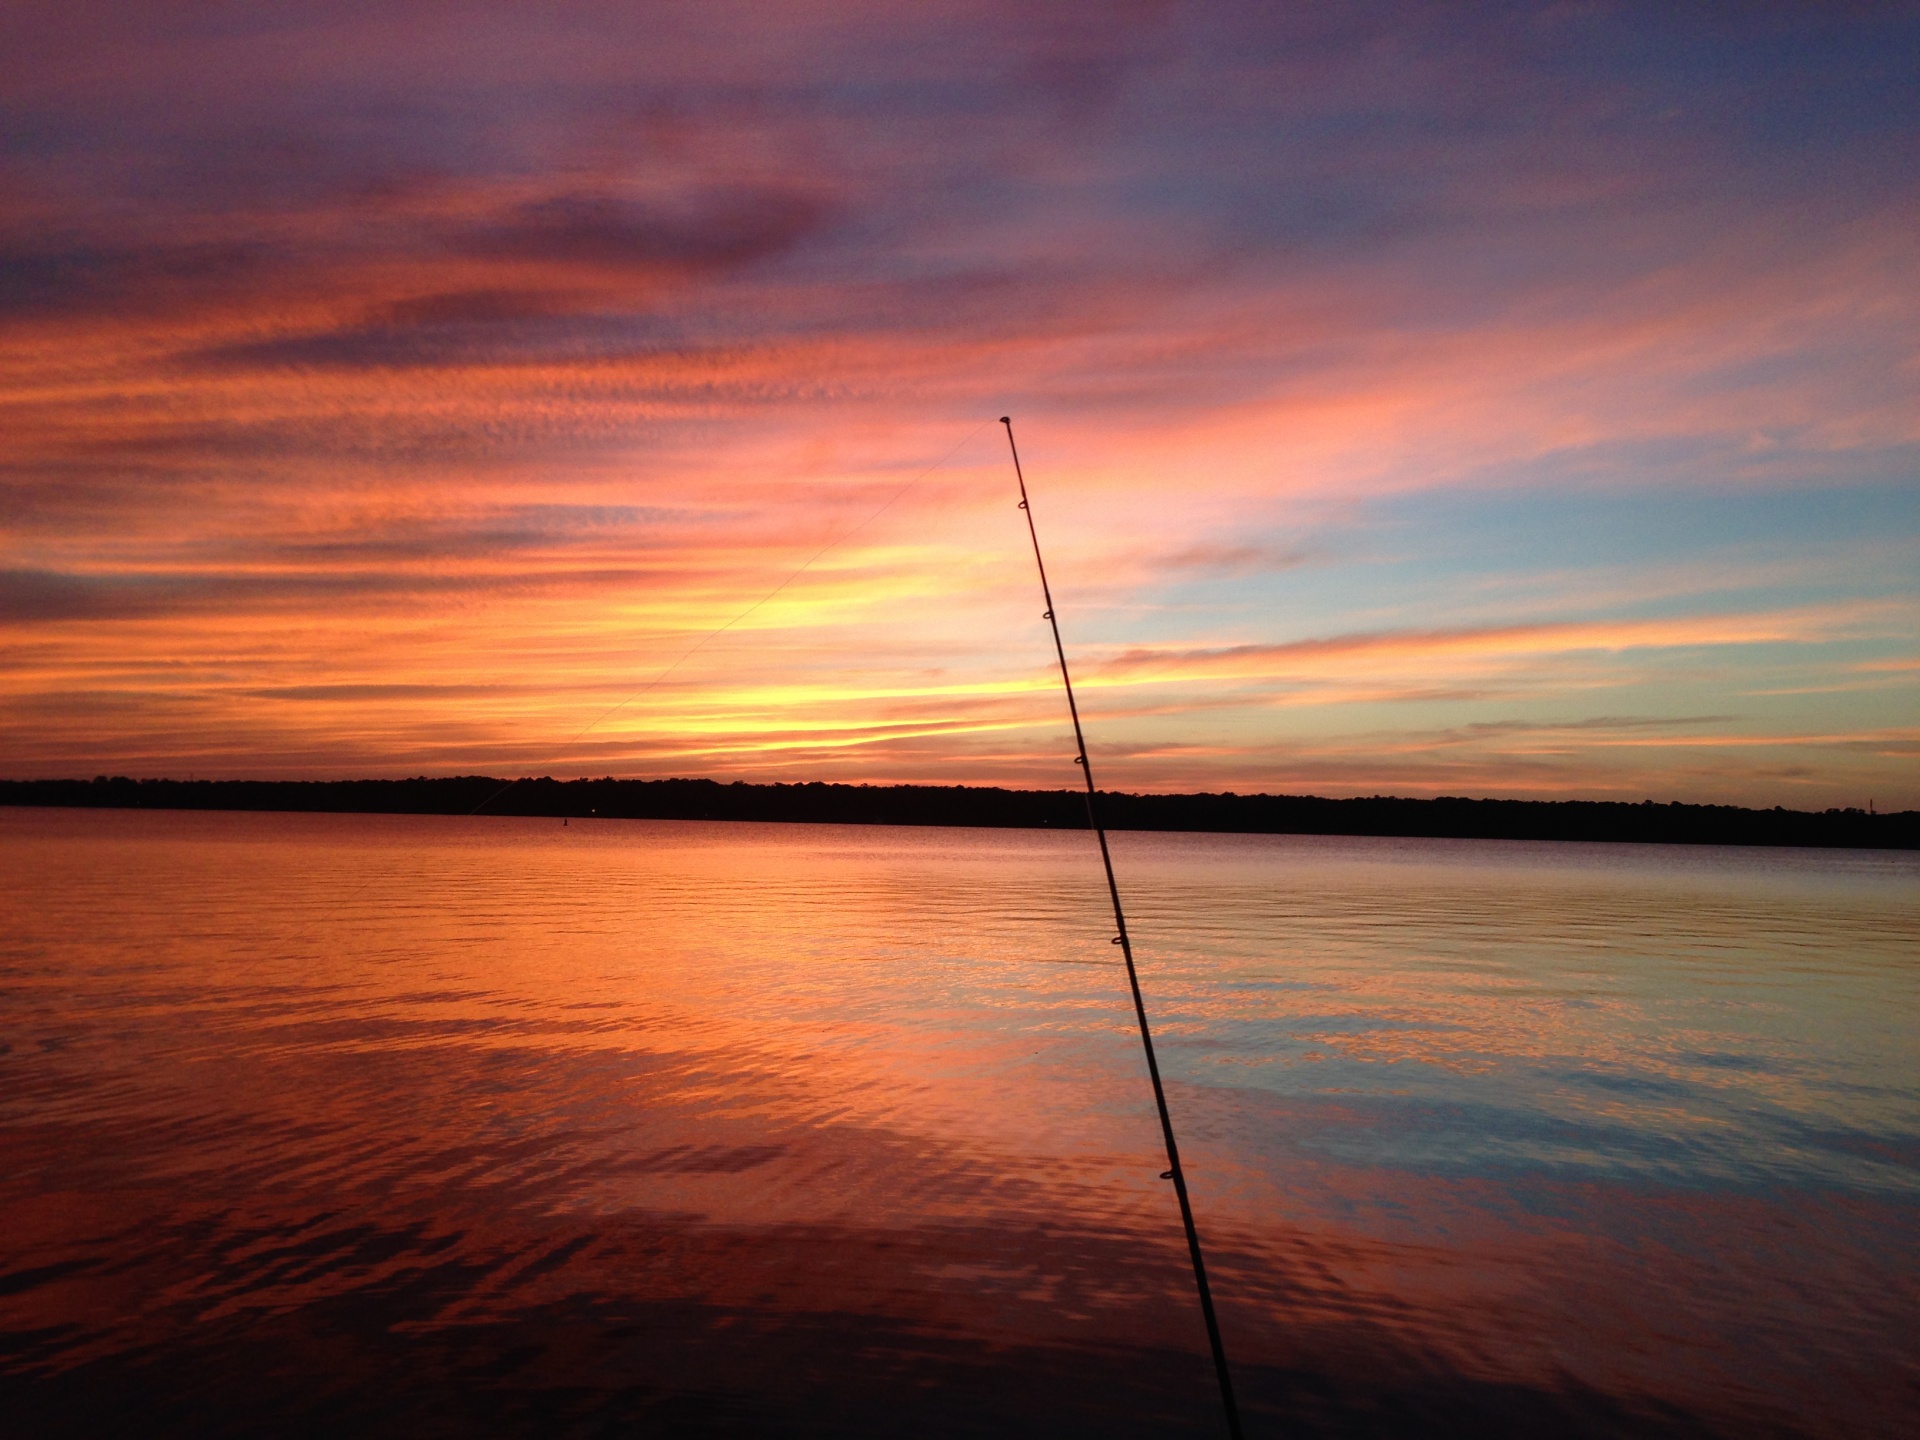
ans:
(389, 390)
(1483, 645)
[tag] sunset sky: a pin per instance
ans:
(1417, 399)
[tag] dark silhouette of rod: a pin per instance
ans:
(1174, 1172)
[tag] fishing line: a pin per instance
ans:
(1174, 1172)
(712, 635)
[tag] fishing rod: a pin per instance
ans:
(1173, 1172)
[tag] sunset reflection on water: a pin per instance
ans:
(420, 1125)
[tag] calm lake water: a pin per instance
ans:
(384, 1125)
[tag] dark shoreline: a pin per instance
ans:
(819, 803)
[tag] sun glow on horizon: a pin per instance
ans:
(1544, 444)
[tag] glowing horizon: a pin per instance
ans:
(1520, 401)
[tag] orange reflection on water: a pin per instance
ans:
(1503, 1136)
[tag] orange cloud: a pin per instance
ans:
(338, 443)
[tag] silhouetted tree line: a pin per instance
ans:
(818, 803)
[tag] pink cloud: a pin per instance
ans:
(340, 441)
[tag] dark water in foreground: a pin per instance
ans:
(384, 1125)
